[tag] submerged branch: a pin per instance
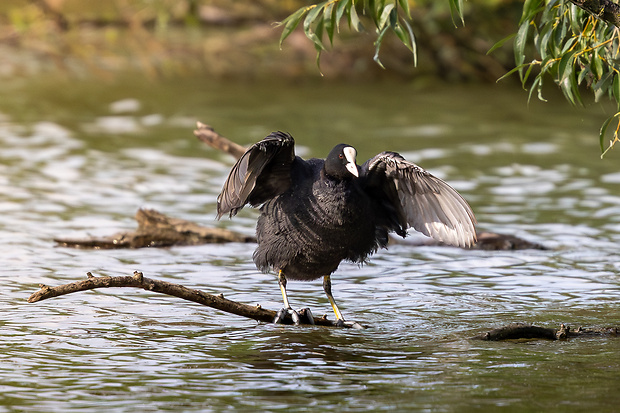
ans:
(254, 312)
(519, 331)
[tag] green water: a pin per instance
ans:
(75, 162)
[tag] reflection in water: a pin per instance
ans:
(126, 350)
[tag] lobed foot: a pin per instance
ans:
(303, 316)
(349, 324)
(306, 315)
(282, 313)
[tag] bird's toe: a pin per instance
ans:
(283, 312)
(349, 324)
(306, 315)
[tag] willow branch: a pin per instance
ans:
(254, 312)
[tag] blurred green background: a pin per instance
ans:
(239, 39)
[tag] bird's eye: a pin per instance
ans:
(341, 156)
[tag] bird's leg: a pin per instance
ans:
(282, 284)
(287, 306)
(340, 322)
(327, 286)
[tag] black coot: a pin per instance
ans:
(316, 213)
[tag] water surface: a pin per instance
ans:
(79, 158)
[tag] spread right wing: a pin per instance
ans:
(262, 172)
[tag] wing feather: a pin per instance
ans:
(261, 173)
(426, 203)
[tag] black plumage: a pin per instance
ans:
(316, 213)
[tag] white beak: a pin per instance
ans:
(350, 153)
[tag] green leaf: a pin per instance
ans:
(568, 44)
(534, 85)
(566, 66)
(530, 8)
(407, 38)
(385, 16)
(520, 42)
(411, 36)
(602, 86)
(404, 4)
(575, 87)
(575, 19)
(291, 23)
(597, 66)
(318, 58)
(402, 36)
(313, 19)
(583, 74)
(567, 88)
(330, 17)
(456, 7)
(513, 70)
(527, 74)
(537, 85)
(616, 88)
(312, 15)
(559, 34)
(545, 36)
(378, 46)
(318, 33)
(602, 133)
(342, 6)
(500, 43)
(354, 20)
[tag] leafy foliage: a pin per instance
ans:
(575, 49)
(323, 19)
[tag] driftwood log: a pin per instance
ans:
(158, 230)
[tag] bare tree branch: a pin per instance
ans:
(218, 302)
(209, 136)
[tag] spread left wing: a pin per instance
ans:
(420, 200)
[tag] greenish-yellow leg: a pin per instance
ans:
(282, 283)
(327, 286)
(287, 305)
